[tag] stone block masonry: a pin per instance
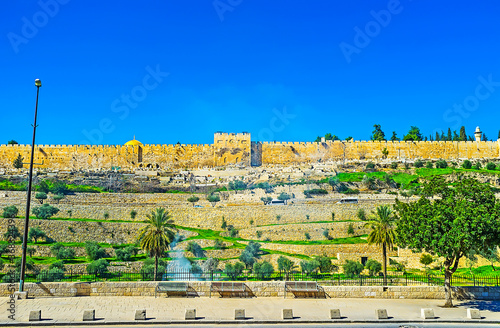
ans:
(233, 148)
(259, 289)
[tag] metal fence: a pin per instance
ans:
(327, 279)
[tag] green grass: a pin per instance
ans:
(358, 176)
(7, 185)
(307, 222)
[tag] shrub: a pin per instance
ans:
(467, 164)
(12, 233)
(233, 271)
(196, 249)
(307, 217)
(259, 234)
(55, 248)
(477, 166)
(418, 163)
(361, 214)
(106, 215)
(350, 229)
(309, 266)
(429, 165)
(98, 267)
(426, 259)
(59, 187)
(94, 250)
(211, 264)
(333, 216)
(397, 265)
(325, 264)
(284, 197)
(263, 269)
(65, 253)
(36, 233)
(218, 244)
(370, 165)
(125, 254)
(54, 274)
(251, 222)
(441, 164)
(233, 233)
(10, 212)
(311, 192)
(237, 185)
(57, 265)
(394, 165)
(350, 191)
(342, 188)
(30, 251)
(133, 214)
(266, 200)
(373, 266)
(278, 217)
(148, 268)
(58, 197)
(307, 235)
(352, 268)
(45, 211)
(213, 199)
(326, 234)
(491, 166)
(224, 224)
(41, 196)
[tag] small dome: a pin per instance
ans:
(477, 129)
(133, 143)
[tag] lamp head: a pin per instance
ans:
(38, 83)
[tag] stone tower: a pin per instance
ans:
(232, 148)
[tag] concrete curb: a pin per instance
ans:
(233, 322)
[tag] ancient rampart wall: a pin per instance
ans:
(311, 152)
(238, 148)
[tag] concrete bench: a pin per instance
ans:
(177, 287)
(303, 288)
(229, 288)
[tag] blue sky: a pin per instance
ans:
(178, 71)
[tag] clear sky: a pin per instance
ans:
(286, 70)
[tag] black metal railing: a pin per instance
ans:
(327, 279)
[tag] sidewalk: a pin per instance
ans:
(209, 310)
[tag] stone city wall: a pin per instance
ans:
(257, 289)
(238, 148)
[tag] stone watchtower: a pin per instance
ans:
(478, 134)
(232, 148)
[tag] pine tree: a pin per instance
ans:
(18, 162)
(430, 137)
(443, 137)
(470, 138)
(498, 134)
(395, 137)
(449, 137)
(455, 136)
(485, 138)
(463, 135)
(437, 137)
(378, 134)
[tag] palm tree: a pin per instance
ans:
(157, 235)
(383, 233)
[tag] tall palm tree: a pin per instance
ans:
(156, 237)
(383, 232)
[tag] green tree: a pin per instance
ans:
(325, 263)
(237, 185)
(455, 136)
(193, 200)
(234, 270)
(12, 142)
(394, 136)
(65, 253)
(413, 135)
(426, 259)
(10, 211)
(156, 237)
(373, 266)
(464, 217)
(467, 164)
(98, 267)
(18, 162)
(448, 136)
(463, 135)
(263, 269)
(60, 188)
(36, 233)
(352, 269)
(491, 166)
(45, 211)
(54, 274)
(284, 197)
(196, 249)
(94, 250)
(41, 196)
(350, 229)
(377, 134)
(58, 197)
(12, 233)
(30, 251)
(266, 200)
(383, 233)
(309, 266)
(285, 265)
(43, 186)
(213, 199)
(438, 138)
(133, 214)
(485, 138)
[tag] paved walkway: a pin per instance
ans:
(162, 309)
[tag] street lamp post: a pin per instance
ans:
(38, 84)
